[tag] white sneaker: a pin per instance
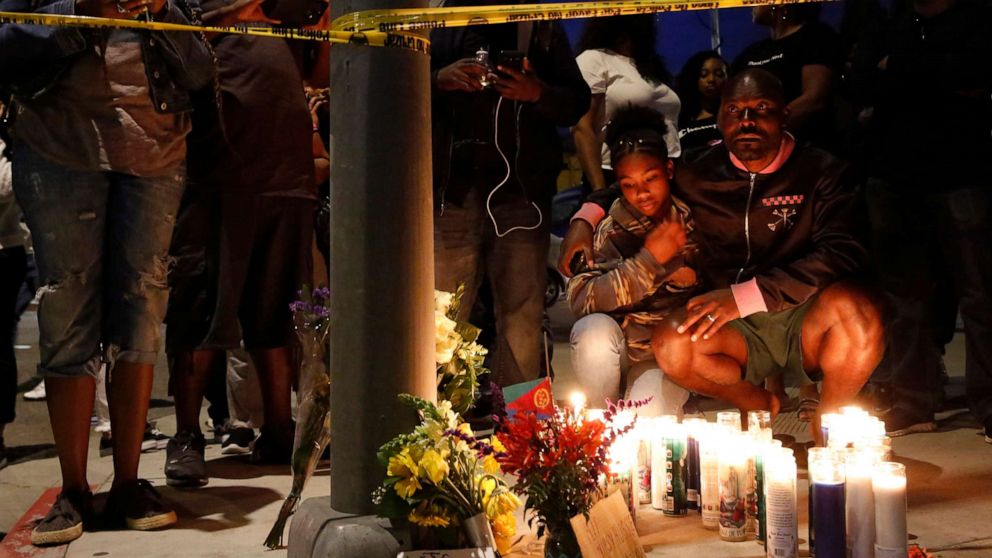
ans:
(37, 393)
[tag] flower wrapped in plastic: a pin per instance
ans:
(460, 360)
(441, 477)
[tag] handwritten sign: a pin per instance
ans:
(610, 531)
(461, 553)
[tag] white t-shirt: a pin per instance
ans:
(615, 75)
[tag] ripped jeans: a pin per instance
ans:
(101, 243)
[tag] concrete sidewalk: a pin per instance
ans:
(950, 494)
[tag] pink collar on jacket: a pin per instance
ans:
(784, 151)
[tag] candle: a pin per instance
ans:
(621, 481)
(752, 446)
(760, 422)
(674, 503)
(827, 475)
(766, 450)
(812, 454)
(578, 401)
(711, 437)
(659, 451)
(860, 503)
(694, 427)
(729, 419)
(889, 489)
(734, 455)
(826, 423)
(782, 522)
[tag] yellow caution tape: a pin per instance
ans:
(414, 19)
(399, 28)
(401, 39)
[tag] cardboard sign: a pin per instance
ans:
(460, 553)
(610, 531)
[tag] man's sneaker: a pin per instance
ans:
(185, 465)
(238, 442)
(153, 440)
(37, 393)
(272, 448)
(64, 522)
(3, 455)
(138, 506)
(899, 422)
(988, 431)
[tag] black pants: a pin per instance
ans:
(907, 222)
(13, 266)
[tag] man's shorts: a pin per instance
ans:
(774, 344)
(239, 262)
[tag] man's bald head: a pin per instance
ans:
(751, 117)
(754, 83)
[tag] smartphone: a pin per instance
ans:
(512, 59)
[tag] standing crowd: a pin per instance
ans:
(813, 213)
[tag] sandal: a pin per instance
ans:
(807, 409)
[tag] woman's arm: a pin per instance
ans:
(588, 143)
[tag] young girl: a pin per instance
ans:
(643, 270)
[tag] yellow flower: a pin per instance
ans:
(497, 445)
(490, 465)
(433, 466)
(403, 465)
(504, 503)
(429, 516)
(504, 528)
(446, 339)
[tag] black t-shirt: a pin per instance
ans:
(698, 133)
(813, 44)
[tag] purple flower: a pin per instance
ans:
(322, 293)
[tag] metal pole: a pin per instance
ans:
(715, 30)
(382, 254)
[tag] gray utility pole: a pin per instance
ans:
(381, 281)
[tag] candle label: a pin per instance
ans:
(883, 552)
(709, 492)
(733, 513)
(644, 472)
(760, 491)
(781, 525)
(675, 491)
(751, 497)
(692, 474)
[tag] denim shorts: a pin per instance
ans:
(101, 242)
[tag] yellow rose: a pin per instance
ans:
(433, 466)
(446, 339)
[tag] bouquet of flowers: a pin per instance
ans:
(459, 358)
(441, 477)
(559, 461)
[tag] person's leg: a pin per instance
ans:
(141, 217)
(190, 372)
(457, 251)
(966, 239)
(908, 372)
(13, 266)
(843, 341)
(711, 366)
(516, 265)
(598, 353)
(645, 379)
(66, 212)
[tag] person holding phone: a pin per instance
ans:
(497, 155)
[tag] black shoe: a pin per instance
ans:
(137, 505)
(238, 442)
(3, 455)
(153, 439)
(64, 522)
(185, 465)
(988, 431)
(272, 448)
(106, 445)
(899, 422)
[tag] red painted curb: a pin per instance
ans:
(17, 543)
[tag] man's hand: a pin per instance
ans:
(519, 86)
(125, 9)
(462, 75)
(709, 313)
(665, 240)
(578, 240)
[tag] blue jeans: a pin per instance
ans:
(101, 243)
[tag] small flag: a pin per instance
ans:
(534, 396)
